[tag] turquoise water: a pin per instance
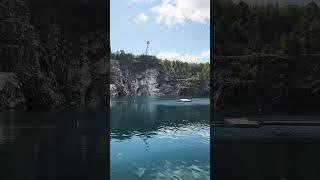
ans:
(159, 138)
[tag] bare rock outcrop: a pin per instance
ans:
(59, 55)
(11, 96)
(139, 78)
(147, 78)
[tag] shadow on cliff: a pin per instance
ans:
(77, 15)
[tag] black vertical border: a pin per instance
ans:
(107, 131)
(211, 94)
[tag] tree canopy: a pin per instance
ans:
(240, 29)
(177, 69)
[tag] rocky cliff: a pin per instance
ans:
(52, 54)
(268, 81)
(149, 78)
(55, 54)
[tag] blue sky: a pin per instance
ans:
(176, 29)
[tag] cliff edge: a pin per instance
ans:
(51, 56)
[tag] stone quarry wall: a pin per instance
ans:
(149, 78)
(268, 81)
(140, 78)
(57, 56)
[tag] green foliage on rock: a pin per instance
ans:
(191, 79)
(19, 70)
(240, 29)
(176, 69)
(185, 70)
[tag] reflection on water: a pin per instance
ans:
(159, 138)
(53, 145)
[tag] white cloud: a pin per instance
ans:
(203, 57)
(140, 1)
(173, 12)
(141, 18)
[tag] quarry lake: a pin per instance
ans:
(159, 138)
(271, 151)
(53, 145)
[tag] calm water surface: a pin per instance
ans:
(278, 152)
(159, 138)
(53, 145)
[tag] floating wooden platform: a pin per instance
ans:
(248, 122)
(267, 127)
(241, 122)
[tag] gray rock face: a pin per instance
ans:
(268, 81)
(60, 58)
(136, 78)
(56, 65)
(11, 96)
(127, 79)
(98, 92)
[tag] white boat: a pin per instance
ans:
(185, 100)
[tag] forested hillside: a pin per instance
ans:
(240, 29)
(265, 56)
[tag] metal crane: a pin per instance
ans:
(148, 42)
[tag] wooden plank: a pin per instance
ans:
(241, 122)
(267, 132)
(288, 120)
(248, 122)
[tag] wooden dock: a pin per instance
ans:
(253, 122)
(241, 122)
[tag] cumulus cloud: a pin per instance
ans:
(203, 57)
(141, 18)
(171, 12)
(140, 1)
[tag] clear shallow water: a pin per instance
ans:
(159, 138)
(53, 145)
